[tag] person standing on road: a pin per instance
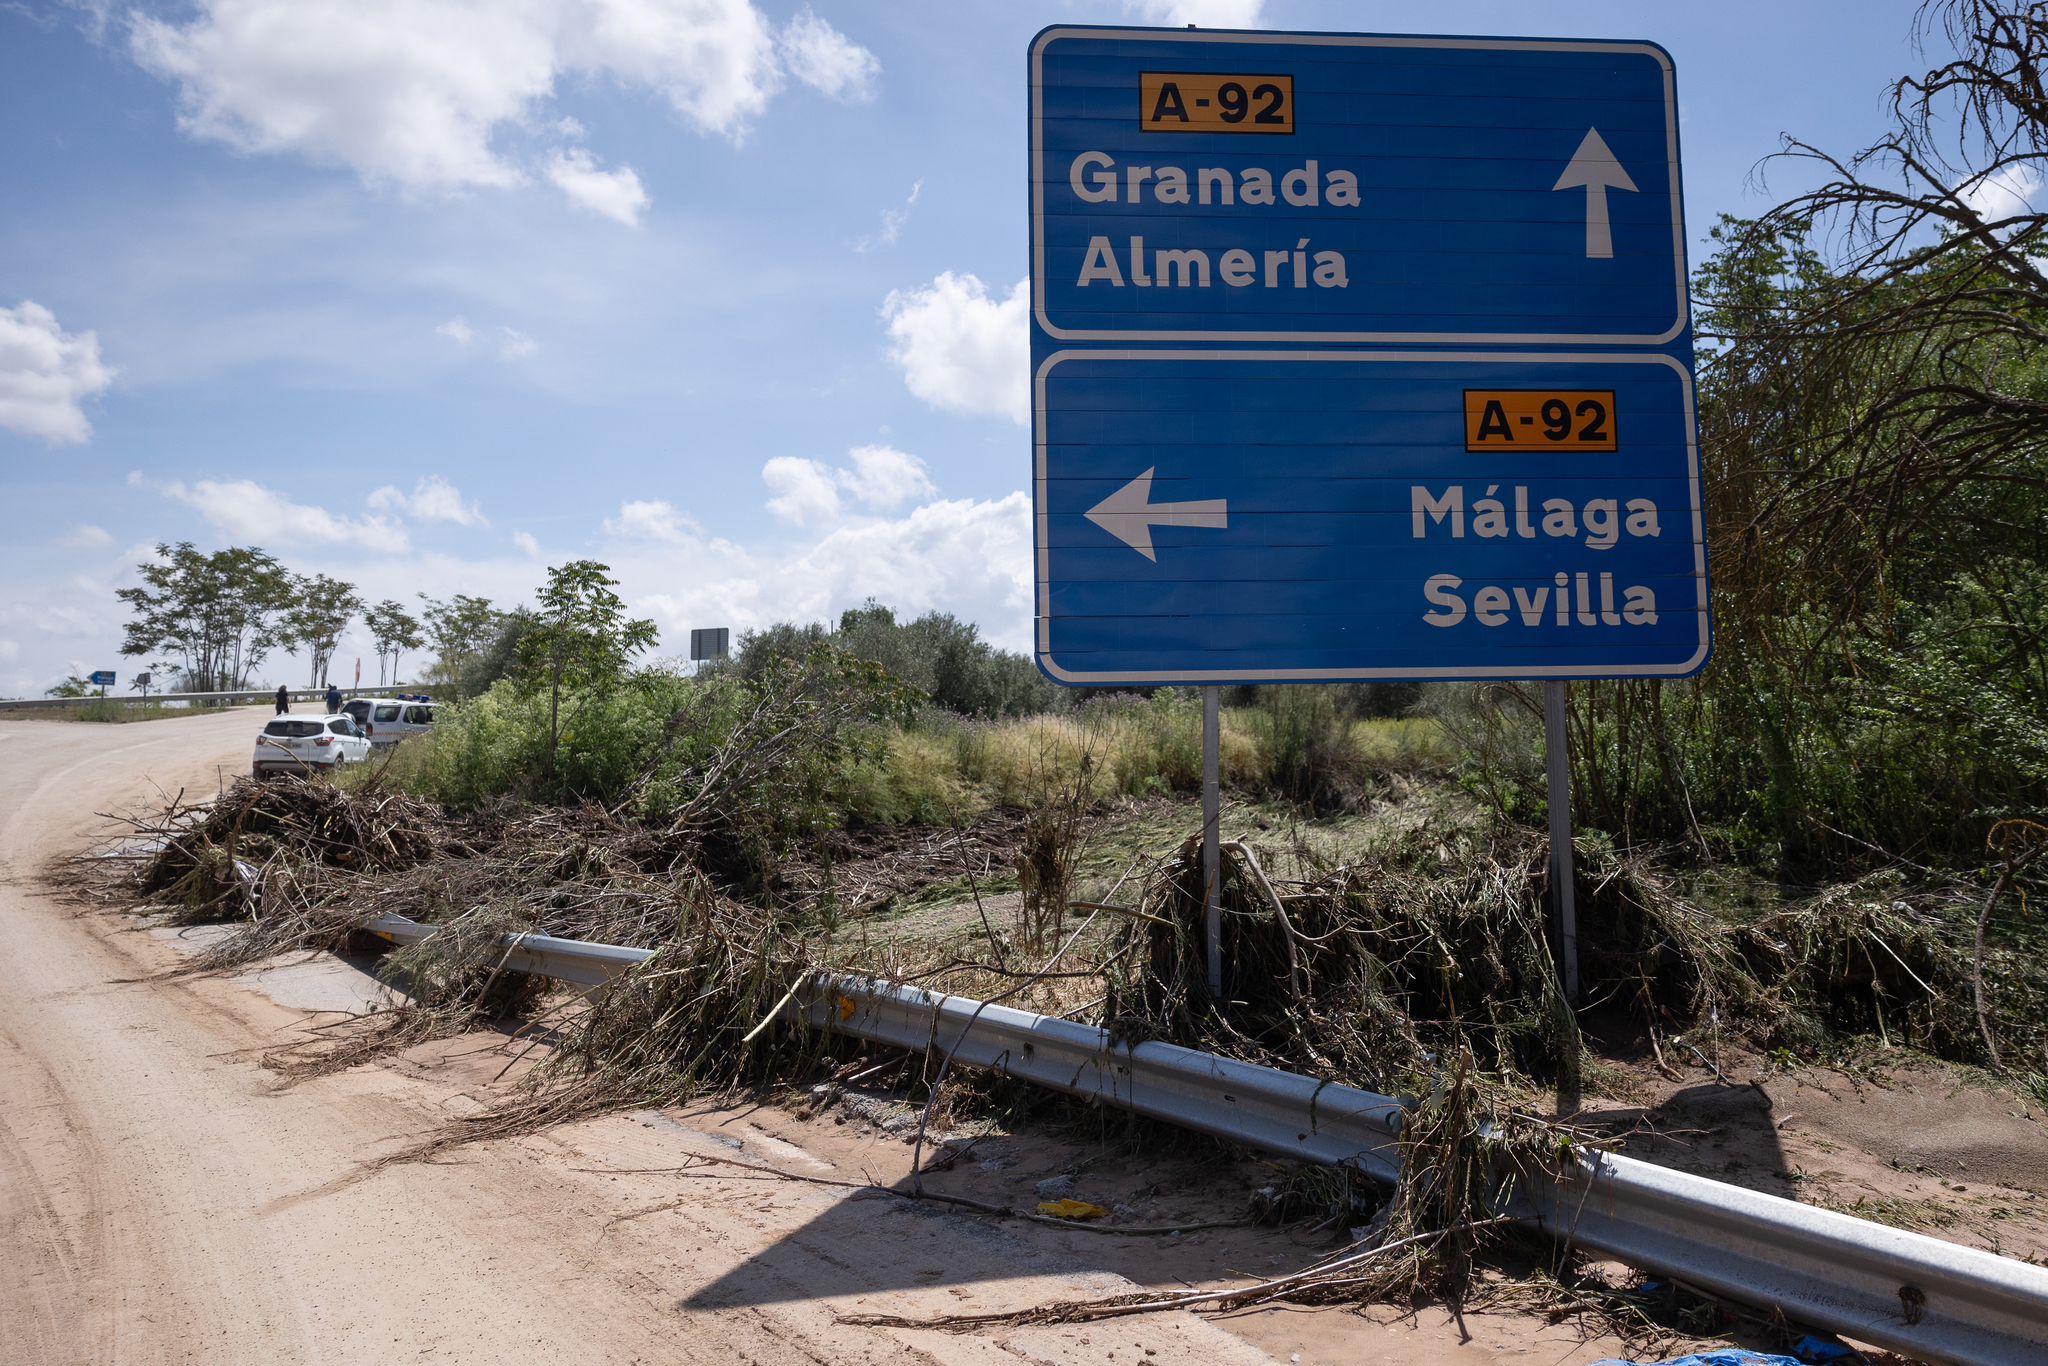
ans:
(333, 699)
(284, 700)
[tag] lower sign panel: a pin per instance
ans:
(1247, 517)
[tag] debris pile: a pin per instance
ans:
(1434, 941)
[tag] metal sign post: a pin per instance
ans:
(1212, 854)
(1557, 758)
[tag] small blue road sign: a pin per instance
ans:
(104, 678)
(1360, 357)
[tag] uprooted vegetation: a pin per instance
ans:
(1406, 949)
(1417, 963)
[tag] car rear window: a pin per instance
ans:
(387, 713)
(359, 710)
(292, 729)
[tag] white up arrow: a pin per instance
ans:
(1595, 168)
(1129, 514)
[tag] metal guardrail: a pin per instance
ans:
(230, 698)
(566, 960)
(1905, 1292)
(1275, 1111)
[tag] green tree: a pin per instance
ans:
(216, 615)
(1874, 424)
(937, 654)
(581, 644)
(321, 610)
(72, 686)
(461, 631)
(500, 656)
(393, 631)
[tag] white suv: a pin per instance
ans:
(306, 744)
(391, 720)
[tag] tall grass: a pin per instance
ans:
(946, 768)
(936, 768)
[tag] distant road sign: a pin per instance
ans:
(710, 642)
(103, 678)
(1223, 495)
(1405, 189)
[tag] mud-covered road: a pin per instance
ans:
(164, 1198)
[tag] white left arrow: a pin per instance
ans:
(1594, 167)
(1129, 514)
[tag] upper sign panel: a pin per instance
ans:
(1243, 187)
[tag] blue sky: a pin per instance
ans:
(430, 294)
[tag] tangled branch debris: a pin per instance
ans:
(1420, 966)
(1431, 941)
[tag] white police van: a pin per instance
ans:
(391, 719)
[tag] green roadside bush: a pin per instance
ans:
(496, 744)
(868, 757)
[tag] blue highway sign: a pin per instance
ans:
(1257, 517)
(102, 679)
(1282, 187)
(1359, 358)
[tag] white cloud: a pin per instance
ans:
(894, 220)
(821, 57)
(969, 557)
(713, 60)
(9, 651)
(961, 347)
(404, 92)
(1200, 13)
(416, 93)
(805, 490)
(248, 512)
(617, 195)
(86, 536)
(885, 478)
(528, 546)
(652, 519)
(513, 345)
(433, 499)
(45, 373)
(2006, 193)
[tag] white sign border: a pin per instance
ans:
(1662, 58)
(1522, 670)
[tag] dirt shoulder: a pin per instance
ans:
(175, 1203)
(168, 1201)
